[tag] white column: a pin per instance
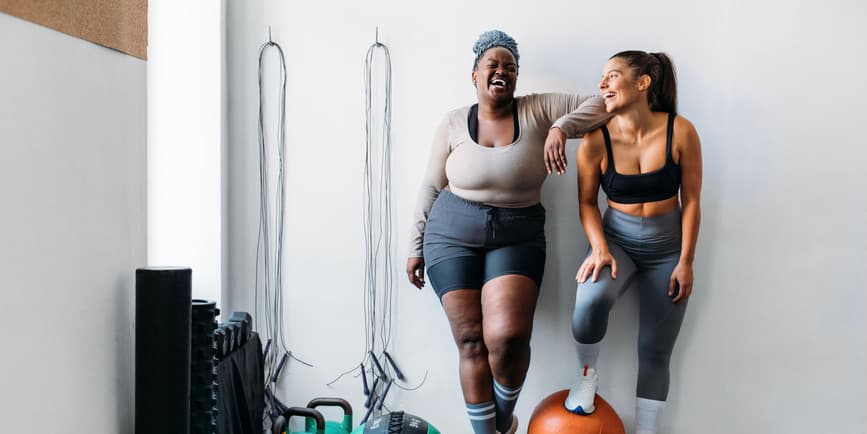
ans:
(185, 139)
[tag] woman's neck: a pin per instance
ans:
(634, 121)
(490, 110)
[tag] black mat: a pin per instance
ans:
(241, 390)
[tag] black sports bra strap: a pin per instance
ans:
(608, 149)
(668, 135)
(473, 122)
(517, 129)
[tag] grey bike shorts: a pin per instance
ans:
(468, 243)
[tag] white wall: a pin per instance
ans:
(186, 140)
(775, 336)
(72, 230)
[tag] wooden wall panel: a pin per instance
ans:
(118, 24)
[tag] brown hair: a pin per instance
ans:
(662, 95)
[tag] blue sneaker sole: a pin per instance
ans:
(579, 410)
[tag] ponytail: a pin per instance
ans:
(662, 95)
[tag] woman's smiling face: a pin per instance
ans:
(496, 74)
(619, 85)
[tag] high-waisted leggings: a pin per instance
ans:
(646, 250)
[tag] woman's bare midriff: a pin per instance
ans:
(646, 209)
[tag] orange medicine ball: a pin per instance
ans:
(550, 417)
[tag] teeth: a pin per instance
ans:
(498, 81)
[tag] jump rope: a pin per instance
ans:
(269, 244)
(379, 277)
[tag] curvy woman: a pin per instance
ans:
(480, 229)
(648, 161)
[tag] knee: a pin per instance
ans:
(590, 319)
(507, 343)
(652, 358)
(585, 331)
(471, 345)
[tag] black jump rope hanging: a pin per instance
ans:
(379, 280)
(269, 244)
(379, 277)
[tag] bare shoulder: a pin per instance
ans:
(684, 130)
(593, 143)
(685, 143)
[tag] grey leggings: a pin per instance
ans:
(646, 251)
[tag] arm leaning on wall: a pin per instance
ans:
(581, 115)
(575, 115)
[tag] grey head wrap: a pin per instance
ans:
(494, 38)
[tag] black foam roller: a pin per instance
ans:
(162, 350)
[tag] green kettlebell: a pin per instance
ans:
(332, 427)
(396, 422)
(281, 424)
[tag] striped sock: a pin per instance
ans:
(482, 417)
(505, 400)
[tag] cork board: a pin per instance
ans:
(118, 24)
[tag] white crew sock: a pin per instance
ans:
(588, 355)
(647, 414)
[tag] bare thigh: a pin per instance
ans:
(508, 307)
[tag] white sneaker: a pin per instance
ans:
(512, 429)
(583, 393)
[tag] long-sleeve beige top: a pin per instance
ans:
(505, 176)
